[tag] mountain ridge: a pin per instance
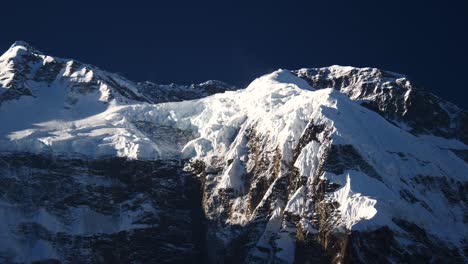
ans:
(23, 56)
(333, 165)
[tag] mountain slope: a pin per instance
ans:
(67, 89)
(330, 165)
(394, 97)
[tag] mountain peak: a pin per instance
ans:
(20, 43)
(25, 46)
(266, 81)
(19, 48)
(298, 167)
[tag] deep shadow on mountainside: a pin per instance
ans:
(262, 200)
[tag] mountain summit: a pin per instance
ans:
(328, 165)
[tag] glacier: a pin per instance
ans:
(291, 159)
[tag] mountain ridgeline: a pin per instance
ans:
(317, 165)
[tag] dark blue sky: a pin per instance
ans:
(236, 41)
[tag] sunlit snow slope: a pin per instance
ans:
(294, 168)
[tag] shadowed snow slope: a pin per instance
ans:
(290, 161)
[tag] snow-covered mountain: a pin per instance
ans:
(329, 165)
(67, 89)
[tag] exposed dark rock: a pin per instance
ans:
(461, 153)
(49, 71)
(346, 157)
(175, 211)
(165, 203)
(396, 98)
(454, 191)
(157, 93)
(423, 248)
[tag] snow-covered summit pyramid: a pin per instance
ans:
(333, 165)
(25, 71)
(37, 88)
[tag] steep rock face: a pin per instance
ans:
(331, 167)
(394, 97)
(318, 194)
(175, 93)
(111, 210)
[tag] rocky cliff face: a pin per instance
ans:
(330, 165)
(76, 210)
(394, 97)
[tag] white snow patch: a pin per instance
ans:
(353, 206)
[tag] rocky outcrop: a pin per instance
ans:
(395, 97)
(294, 213)
(111, 210)
(96, 170)
(158, 93)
